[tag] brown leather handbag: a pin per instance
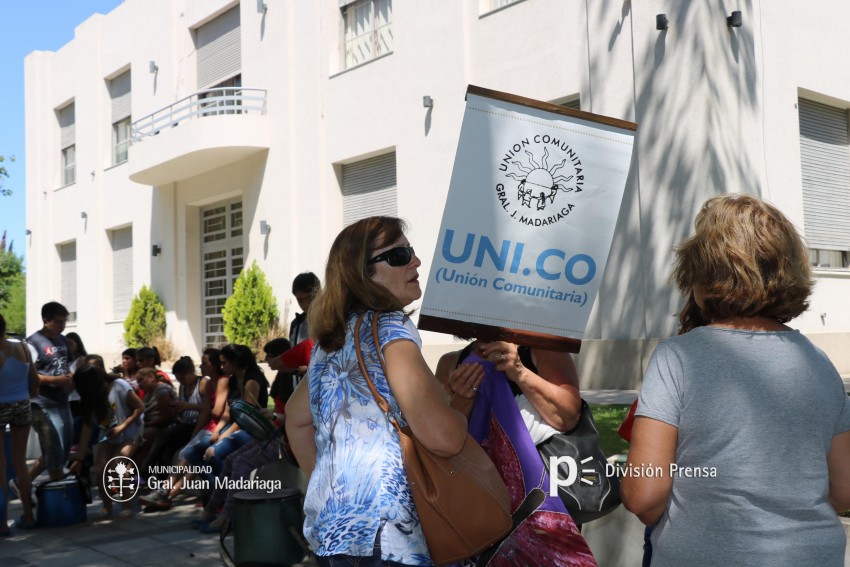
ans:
(462, 502)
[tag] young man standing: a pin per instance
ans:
(304, 287)
(51, 413)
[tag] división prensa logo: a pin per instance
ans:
(121, 479)
(543, 175)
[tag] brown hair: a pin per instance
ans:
(748, 258)
(348, 280)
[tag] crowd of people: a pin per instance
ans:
(84, 414)
(738, 391)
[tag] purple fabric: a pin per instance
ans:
(494, 398)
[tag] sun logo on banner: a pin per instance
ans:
(538, 184)
(121, 479)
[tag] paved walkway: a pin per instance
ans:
(163, 538)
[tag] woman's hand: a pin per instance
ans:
(464, 380)
(505, 356)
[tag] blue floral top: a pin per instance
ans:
(359, 486)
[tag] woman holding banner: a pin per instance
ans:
(358, 507)
(516, 397)
(745, 420)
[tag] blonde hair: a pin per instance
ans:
(349, 287)
(146, 372)
(748, 258)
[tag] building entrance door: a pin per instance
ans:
(222, 259)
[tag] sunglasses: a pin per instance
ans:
(400, 256)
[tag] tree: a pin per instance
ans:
(252, 309)
(12, 289)
(4, 174)
(146, 320)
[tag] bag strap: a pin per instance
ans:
(379, 399)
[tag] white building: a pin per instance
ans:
(317, 118)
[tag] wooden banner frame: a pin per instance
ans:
(467, 330)
(549, 107)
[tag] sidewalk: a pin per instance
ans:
(162, 538)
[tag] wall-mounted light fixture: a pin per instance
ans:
(734, 20)
(427, 101)
(156, 250)
(84, 215)
(152, 67)
(29, 232)
(262, 6)
(661, 22)
(265, 227)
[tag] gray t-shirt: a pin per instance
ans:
(760, 409)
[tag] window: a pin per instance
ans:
(67, 144)
(369, 188)
(119, 91)
(825, 165)
(367, 30)
(487, 6)
(219, 49)
(122, 272)
(574, 103)
(120, 141)
(69, 165)
(68, 261)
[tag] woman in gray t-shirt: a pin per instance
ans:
(740, 451)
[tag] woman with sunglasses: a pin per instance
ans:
(358, 505)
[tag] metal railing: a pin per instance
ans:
(208, 102)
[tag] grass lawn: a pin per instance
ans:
(608, 418)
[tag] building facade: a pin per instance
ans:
(173, 142)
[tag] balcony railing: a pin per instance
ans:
(209, 102)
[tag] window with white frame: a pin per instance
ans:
(485, 6)
(68, 291)
(122, 272)
(369, 188)
(367, 30)
(67, 143)
(120, 141)
(825, 165)
(119, 91)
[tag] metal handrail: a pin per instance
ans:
(208, 102)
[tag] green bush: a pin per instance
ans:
(146, 320)
(252, 309)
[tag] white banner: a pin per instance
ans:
(529, 218)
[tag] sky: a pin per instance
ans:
(27, 26)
